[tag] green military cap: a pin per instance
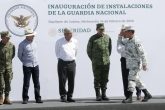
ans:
(100, 26)
(5, 34)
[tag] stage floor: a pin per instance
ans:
(156, 103)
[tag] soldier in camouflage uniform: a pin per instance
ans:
(135, 57)
(7, 53)
(99, 49)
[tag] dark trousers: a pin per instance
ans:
(28, 71)
(66, 71)
(125, 73)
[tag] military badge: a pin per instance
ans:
(20, 17)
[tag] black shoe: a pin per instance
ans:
(39, 101)
(98, 95)
(128, 100)
(70, 100)
(25, 101)
(105, 98)
(147, 97)
(63, 98)
(98, 98)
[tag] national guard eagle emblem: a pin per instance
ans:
(20, 17)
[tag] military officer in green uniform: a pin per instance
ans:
(99, 50)
(7, 53)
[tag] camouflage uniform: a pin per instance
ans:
(99, 50)
(135, 57)
(7, 53)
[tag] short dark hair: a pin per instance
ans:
(4, 33)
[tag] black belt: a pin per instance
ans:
(66, 61)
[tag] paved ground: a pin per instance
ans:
(79, 103)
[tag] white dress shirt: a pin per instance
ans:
(27, 53)
(66, 50)
(121, 46)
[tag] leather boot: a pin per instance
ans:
(104, 97)
(129, 99)
(98, 96)
(7, 100)
(1, 99)
(147, 95)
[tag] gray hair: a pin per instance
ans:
(66, 30)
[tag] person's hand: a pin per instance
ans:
(145, 67)
(121, 33)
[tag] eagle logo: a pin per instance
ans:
(19, 17)
(21, 21)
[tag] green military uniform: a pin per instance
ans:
(7, 53)
(99, 49)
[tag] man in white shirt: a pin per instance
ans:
(27, 53)
(66, 50)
